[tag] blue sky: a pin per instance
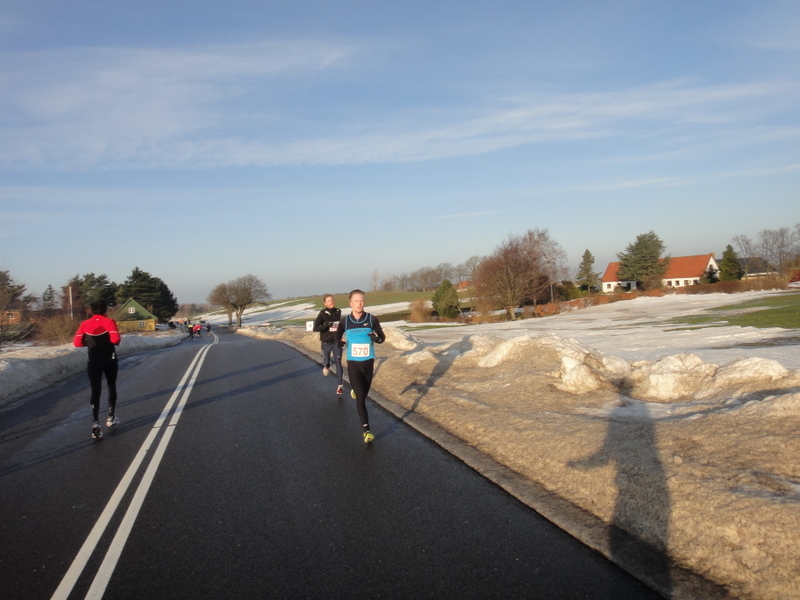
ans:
(313, 142)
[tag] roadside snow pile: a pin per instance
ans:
(696, 460)
(32, 369)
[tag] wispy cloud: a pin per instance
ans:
(662, 182)
(467, 215)
(234, 106)
(112, 107)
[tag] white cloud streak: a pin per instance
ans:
(216, 107)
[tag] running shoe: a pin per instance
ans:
(96, 433)
(353, 394)
(111, 421)
(368, 437)
(325, 371)
(340, 390)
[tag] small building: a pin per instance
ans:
(11, 317)
(132, 317)
(755, 266)
(681, 271)
(690, 270)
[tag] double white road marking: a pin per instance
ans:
(103, 576)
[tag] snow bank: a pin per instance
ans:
(30, 370)
(697, 461)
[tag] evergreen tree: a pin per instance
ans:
(729, 267)
(11, 297)
(641, 262)
(49, 301)
(97, 287)
(11, 292)
(586, 278)
(151, 292)
(445, 300)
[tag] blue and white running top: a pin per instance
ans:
(361, 334)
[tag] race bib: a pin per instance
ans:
(334, 326)
(359, 350)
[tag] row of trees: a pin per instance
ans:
(76, 296)
(149, 291)
(427, 279)
(527, 268)
(643, 261)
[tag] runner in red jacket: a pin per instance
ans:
(101, 336)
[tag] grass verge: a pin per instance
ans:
(782, 310)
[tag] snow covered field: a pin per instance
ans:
(685, 439)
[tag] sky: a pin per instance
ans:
(313, 143)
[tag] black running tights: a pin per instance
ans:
(360, 373)
(96, 383)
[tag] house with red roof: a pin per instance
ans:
(682, 271)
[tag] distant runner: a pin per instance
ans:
(101, 336)
(326, 323)
(363, 331)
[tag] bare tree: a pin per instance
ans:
(428, 279)
(445, 271)
(221, 296)
(745, 250)
(466, 270)
(519, 270)
(776, 247)
(375, 283)
(245, 291)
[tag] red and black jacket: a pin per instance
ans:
(100, 335)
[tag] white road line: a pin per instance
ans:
(115, 550)
(79, 564)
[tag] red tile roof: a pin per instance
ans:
(611, 273)
(680, 267)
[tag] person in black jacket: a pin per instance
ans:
(326, 323)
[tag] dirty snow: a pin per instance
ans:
(29, 369)
(688, 440)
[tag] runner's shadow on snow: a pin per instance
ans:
(445, 360)
(639, 532)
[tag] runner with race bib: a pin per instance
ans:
(363, 331)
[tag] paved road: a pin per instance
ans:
(237, 473)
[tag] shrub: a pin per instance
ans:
(420, 313)
(755, 284)
(547, 310)
(56, 330)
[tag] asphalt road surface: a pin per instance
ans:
(236, 472)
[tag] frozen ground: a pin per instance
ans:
(686, 440)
